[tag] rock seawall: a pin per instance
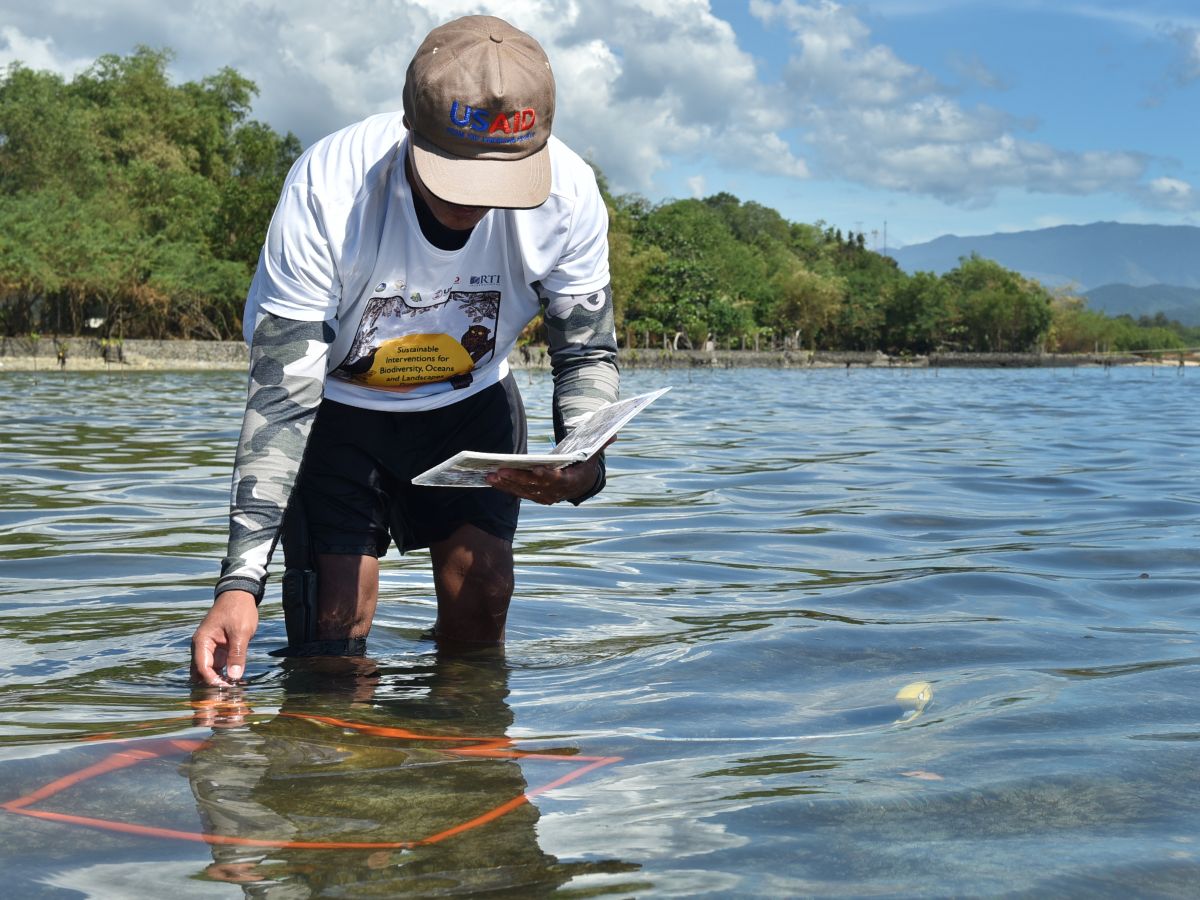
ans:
(88, 352)
(17, 354)
(538, 358)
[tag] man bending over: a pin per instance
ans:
(405, 257)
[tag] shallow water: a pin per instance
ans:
(777, 556)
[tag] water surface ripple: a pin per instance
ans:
(777, 556)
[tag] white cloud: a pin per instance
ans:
(640, 81)
(877, 120)
(1183, 41)
(1168, 193)
(837, 61)
(642, 84)
(1186, 67)
(36, 53)
(697, 184)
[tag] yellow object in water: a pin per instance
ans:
(914, 698)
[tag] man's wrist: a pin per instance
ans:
(246, 585)
(235, 603)
(235, 595)
(597, 485)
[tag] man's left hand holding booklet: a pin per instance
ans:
(470, 469)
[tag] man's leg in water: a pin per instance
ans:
(347, 591)
(472, 574)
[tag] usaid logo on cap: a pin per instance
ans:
(464, 116)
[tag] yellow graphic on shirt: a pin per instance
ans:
(417, 359)
(402, 343)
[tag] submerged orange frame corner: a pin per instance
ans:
(155, 748)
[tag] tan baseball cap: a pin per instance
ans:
(479, 98)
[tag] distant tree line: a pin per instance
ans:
(134, 207)
(719, 270)
(132, 203)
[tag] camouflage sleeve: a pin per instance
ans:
(287, 382)
(583, 358)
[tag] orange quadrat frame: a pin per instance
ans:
(135, 751)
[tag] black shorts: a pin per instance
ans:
(356, 480)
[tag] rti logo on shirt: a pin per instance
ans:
(485, 279)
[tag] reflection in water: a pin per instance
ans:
(296, 780)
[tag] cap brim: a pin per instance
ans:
(497, 183)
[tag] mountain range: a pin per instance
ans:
(1134, 269)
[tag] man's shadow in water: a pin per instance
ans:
(293, 779)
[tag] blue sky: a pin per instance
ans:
(936, 116)
(1095, 76)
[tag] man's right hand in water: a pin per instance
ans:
(222, 638)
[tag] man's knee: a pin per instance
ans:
(490, 572)
(473, 573)
(484, 587)
(493, 585)
(474, 561)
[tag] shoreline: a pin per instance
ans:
(87, 355)
(848, 359)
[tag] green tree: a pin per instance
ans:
(126, 197)
(998, 309)
(871, 281)
(705, 280)
(807, 301)
(921, 315)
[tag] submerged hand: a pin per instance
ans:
(221, 640)
(547, 486)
